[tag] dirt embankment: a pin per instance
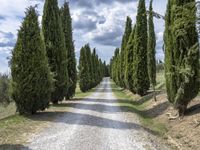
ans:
(183, 133)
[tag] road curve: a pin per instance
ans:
(95, 123)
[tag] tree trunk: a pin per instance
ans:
(154, 90)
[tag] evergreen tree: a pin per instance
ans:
(31, 78)
(94, 65)
(83, 71)
(115, 66)
(89, 64)
(181, 53)
(67, 29)
(140, 74)
(118, 69)
(151, 49)
(90, 69)
(129, 70)
(56, 49)
(125, 39)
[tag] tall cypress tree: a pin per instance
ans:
(67, 29)
(129, 62)
(89, 64)
(181, 53)
(115, 66)
(125, 39)
(83, 71)
(56, 49)
(140, 75)
(94, 65)
(151, 49)
(31, 78)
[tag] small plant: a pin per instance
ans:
(4, 89)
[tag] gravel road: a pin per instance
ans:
(95, 123)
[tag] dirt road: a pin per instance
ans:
(95, 123)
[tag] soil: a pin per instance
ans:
(183, 133)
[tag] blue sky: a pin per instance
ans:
(98, 22)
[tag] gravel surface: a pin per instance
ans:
(95, 123)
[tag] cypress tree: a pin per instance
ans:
(67, 29)
(115, 66)
(140, 75)
(125, 39)
(56, 49)
(151, 49)
(118, 69)
(182, 53)
(89, 64)
(90, 69)
(31, 78)
(83, 71)
(129, 62)
(94, 65)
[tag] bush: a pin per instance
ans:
(4, 89)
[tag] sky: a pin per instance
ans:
(98, 22)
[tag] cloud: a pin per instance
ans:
(82, 3)
(98, 22)
(94, 3)
(2, 17)
(7, 39)
(85, 24)
(87, 20)
(109, 33)
(110, 38)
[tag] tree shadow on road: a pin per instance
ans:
(13, 147)
(195, 109)
(72, 118)
(140, 101)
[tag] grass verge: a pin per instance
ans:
(79, 94)
(137, 104)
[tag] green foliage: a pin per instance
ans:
(123, 55)
(106, 70)
(160, 67)
(115, 67)
(129, 62)
(67, 29)
(4, 89)
(31, 79)
(151, 48)
(91, 69)
(83, 71)
(129, 67)
(182, 53)
(140, 75)
(56, 49)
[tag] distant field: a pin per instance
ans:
(6, 111)
(160, 79)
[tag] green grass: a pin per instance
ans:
(6, 111)
(160, 79)
(13, 129)
(131, 103)
(80, 94)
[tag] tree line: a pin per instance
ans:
(43, 64)
(91, 69)
(133, 66)
(130, 63)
